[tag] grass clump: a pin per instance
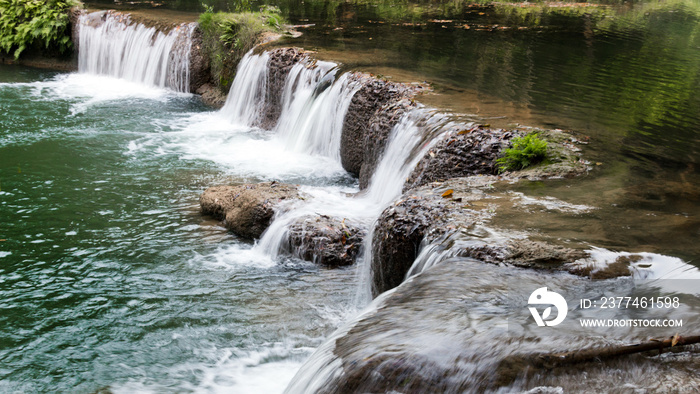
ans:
(35, 23)
(526, 151)
(228, 36)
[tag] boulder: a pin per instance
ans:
(465, 151)
(472, 150)
(211, 95)
(326, 240)
(247, 210)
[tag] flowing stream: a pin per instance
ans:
(111, 278)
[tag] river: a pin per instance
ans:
(111, 278)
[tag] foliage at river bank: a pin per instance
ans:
(525, 151)
(226, 37)
(26, 24)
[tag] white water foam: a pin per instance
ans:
(265, 370)
(232, 257)
(649, 266)
(248, 154)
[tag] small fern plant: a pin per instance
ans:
(525, 151)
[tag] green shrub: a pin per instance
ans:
(31, 23)
(228, 36)
(526, 151)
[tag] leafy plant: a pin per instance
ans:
(525, 151)
(28, 23)
(228, 36)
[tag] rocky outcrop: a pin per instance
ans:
(326, 240)
(461, 326)
(211, 95)
(281, 62)
(563, 158)
(199, 64)
(372, 97)
(464, 152)
(247, 210)
(456, 213)
(473, 150)
(377, 134)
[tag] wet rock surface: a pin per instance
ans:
(281, 62)
(450, 329)
(465, 151)
(377, 134)
(326, 240)
(373, 95)
(473, 150)
(563, 158)
(456, 213)
(247, 210)
(199, 64)
(211, 95)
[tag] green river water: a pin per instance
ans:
(111, 277)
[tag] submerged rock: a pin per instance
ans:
(247, 210)
(457, 327)
(326, 240)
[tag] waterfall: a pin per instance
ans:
(314, 107)
(314, 103)
(246, 98)
(409, 140)
(110, 44)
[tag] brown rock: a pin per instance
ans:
(247, 210)
(326, 240)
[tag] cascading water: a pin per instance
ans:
(408, 142)
(246, 98)
(314, 107)
(110, 44)
(412, 136)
